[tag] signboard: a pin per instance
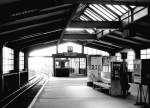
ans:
(137, 71)
(70, 48)
(94, 68)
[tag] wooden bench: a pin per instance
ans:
(102, 85)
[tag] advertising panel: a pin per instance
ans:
(137, 71)
(94, 68)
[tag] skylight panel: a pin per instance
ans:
(99, 17)
(109, 12)
(89, 19)
(125, 7)
(110, 17)
(86, 17)
(100, 12)
(120, 8)
(94, 15)
(83, 18)
(114, 9)
(90, 16)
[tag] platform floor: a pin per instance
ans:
(73, 93)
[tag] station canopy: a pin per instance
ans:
(109, 25)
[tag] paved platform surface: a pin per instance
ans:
(73, 93)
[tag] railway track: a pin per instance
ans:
(24, 96)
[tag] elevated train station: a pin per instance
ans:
(74, 53)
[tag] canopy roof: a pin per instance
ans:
(109, 25)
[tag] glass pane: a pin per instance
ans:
(90, 16)
(83, 18)
(125, 7)
(143, 51)
(130, 67)
(143, 56)
(94, 15)
(114, 9)
(130, 61)
(120, 8)
(110, 13)
(130, 57)
(130, 52)
(148, 56)
(148, 51)
(100, 11)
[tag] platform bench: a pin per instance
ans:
(102, 85)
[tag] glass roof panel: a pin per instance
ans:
(120, 8)
(114, 9)
(105, 11)
(100, 11)
(86, 17)
(126, 8)
(117, 9)
(83, 18)
(109, 13)
(94, 14)
(90, 16)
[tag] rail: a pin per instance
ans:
(9, 99)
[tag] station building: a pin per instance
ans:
(74, 53)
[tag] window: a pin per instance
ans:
(145, 54)
(63, 47)
(130, 58)
(8, 59)
(92, 51)
(21, 60)
(118, 55)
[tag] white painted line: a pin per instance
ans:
(37, 95)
